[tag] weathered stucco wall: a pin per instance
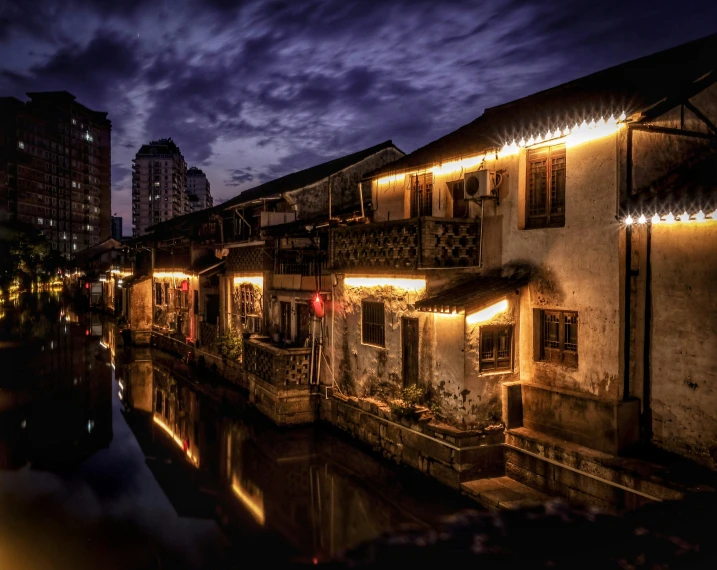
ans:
(577, 267)
(140, 306)
(684, 339)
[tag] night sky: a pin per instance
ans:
(253, 90)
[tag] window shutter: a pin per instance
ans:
(537, 334)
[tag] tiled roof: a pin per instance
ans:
(471, 296)
(631, 87)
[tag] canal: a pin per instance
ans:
(118, 457)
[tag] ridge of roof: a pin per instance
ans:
(630, 86)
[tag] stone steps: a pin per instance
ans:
(502, 493)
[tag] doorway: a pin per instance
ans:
(409, 350)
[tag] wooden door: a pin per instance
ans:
(303, 323)
(409, 351)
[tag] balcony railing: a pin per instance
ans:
(277, 366)
(425, 242)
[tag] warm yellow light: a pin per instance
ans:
(642, 219)
(586, 133)
(685, 217)
(655, 219)
(121, 273)
(177, 440)
(488, 313)
(458, 165)
(669, 218)
(700, 216)
(391, 178)
(257, 280)
(170, 275)
(399, 283)
(628, 221)
(255, 505)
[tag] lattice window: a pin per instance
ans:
(496, 348)
(559, 337)
(422, 195)
(373, 323)
(546, 187)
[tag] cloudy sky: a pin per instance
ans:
(251, 90)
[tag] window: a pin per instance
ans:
(158, 294)
(422, 195)
(21, 145)
(246, 299)
(496, 348)
(373, 323)
(545, 188)
(556, 336)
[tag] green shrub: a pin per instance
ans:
(410, 399)
(229, 345)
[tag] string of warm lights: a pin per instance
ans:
(577, 134)
(256, 280)
(670, 218)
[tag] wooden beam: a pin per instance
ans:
(674, 132)
(701, 117)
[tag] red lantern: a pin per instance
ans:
(185, 285)
(318, 304)
(87, 285)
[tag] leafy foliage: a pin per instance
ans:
(408, 401)
(229, 345)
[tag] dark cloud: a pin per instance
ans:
(240, 176)
(290, 83)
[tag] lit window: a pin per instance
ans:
(74, 246)
(21, 145)
(39, 221)
(74, 122)
(74, 184)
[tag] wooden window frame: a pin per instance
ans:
(495, 364)
(550, 218)
(422, 195)
(558, 350)
(373, 323)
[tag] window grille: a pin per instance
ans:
(373, 323)
(546, 187)
(559, 337)
(496, 348)
(422, 195)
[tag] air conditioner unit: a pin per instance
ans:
(478, 184)
(253, 323)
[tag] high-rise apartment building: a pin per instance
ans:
(198, 190)
(159, 175)
(117, 227)
(55, 157)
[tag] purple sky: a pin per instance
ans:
(252, 90)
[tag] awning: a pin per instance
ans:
(209, 264)
(471, 296)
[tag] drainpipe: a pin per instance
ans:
(480, 237)
(628, 301)
(646, 369)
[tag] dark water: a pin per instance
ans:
(119, 458)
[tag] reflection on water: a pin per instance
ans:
(180, 457)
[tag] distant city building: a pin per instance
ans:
(159, 177)
(198, 190)
(55, 159)
(117, 227)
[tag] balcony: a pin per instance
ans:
(404, 245)
(274, 365)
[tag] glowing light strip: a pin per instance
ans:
(579, 133)
(255, 508)
(415, 284)
(178, 441)
(671, 218)
(170, 274)
(121, 273)
(488, 313)
(257, 280)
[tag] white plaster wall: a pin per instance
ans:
(684, 339)
(578, 267)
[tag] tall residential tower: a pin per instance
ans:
(198, 190)
(55, 157)
(159, 175)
